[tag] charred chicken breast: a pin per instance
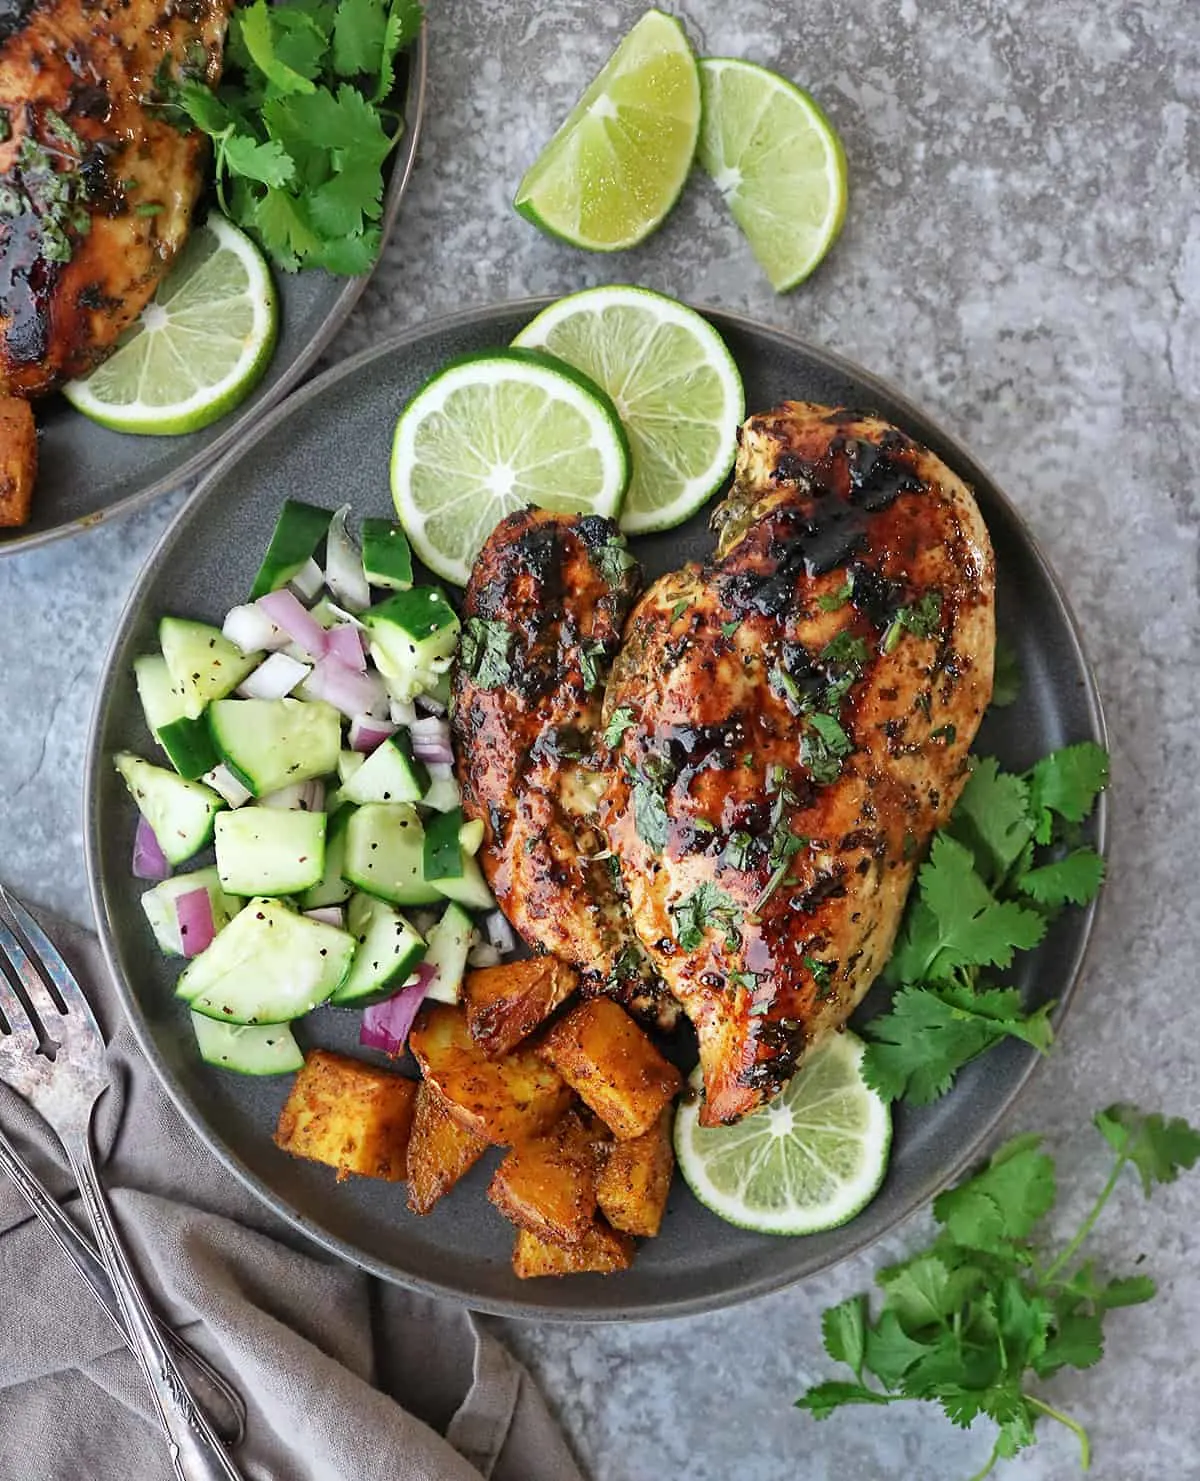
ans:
(793, 720)
(96, 185)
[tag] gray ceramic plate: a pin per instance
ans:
(88, 474)
(331, 442)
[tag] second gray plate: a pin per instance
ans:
(329, 443)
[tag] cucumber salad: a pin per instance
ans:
(306, 744)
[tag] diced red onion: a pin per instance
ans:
(499, 932)
(308, 581)
(344, 574)
(430, 704)
(386, 1025)
(250, 629)
(285, 610)
(149, 861)
(344, 644)
(194, 913)
(368, 734)
(297, 797)
(431, 741)
(274, 678)
(328, 915)
(483, 955)
(226, 785)
(353, 694)
(402, 711)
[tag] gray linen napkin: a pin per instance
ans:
(345, 1378)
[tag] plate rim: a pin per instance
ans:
(748, 1289)
(230, 440)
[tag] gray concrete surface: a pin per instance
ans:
(1022, 255)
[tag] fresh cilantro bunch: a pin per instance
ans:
(996, 877)
(300, 125)
(965, 1322)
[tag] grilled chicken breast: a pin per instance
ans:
(795, 717)
(543, 615)
(96, 186)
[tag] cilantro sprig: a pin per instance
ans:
(994, 880)
(300, 125)
(970, 1321)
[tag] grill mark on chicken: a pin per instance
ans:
(96, 187)
(801, 856)
(556, 590)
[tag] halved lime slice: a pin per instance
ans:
(810, 1160)
(200, 346)
(614, 169)
(674, 383)
(775, 158)
(492, 433)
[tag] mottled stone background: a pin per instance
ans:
(1022, 255)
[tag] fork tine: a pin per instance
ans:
(14, 1010)
(40, 1001)
(50, 962)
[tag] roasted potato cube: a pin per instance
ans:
(635, 1178)
(440, 1151)
(548, 1184)
(503, 1100)
(603, 1055)
(506, 1003)
(601, 1251)
(349, 1114)
(18, 460)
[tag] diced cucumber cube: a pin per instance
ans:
(387, 558)
(181, 812)
(384, 851)
(348, 763)
(447, 945)
(331, 888)
(248, 1049)
(270, 851)
(202, 663)
(389, 774)
(159, 905)
(269, 965)
(443, 855)
(386, 951)
(270, 743)
(469, 887)
(413, 638)
(299, 529)
(187, 742)
(470, 836)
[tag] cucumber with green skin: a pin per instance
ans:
(447, 945)
(247, 1049)
(270, 851)
(204, 665)
(414, 635)
(188, 745)
(387, 949)
(270, 743)
(159, 906)
(386, 555)
(389, 774)
(299, 529)
(385, 846)
(180, 812)
(331, 888)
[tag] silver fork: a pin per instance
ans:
(63, 1086)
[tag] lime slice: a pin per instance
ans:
(674, 383)
(492, 433)
(200, 346)
(778, 163)
(810, 1160)
(616, 166)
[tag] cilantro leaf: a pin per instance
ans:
(1077, 1341)
(920, 1292)
(359, 31)
(890, 1351)
(485, 651)
(204, 108)
(823, 1398)
(1073, 879)
(931, 1032)
(268, 163)
(351, 255)
(844, 1331)
(974, 928)
(613, 561)
(708, 906)
(1067, 782)
(282, 224)
(1004, 1201)
(831, 601)
(1006, 675)
(649, 811)
(253, 24)
(1158, 1148)
(992, 818)
(619, 722)
(402, 28)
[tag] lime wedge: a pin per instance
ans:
(200, 346)
(810, 1160)
(674, 383)
(775, 158)
(492, 433)
(614, 169)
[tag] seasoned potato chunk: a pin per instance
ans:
(548, 1184)
(349, 1114)
(609, 1061)
(506, 1003)
(600, 1251)
(503, 1100)
(635, 1179)
(440, 1151)
(18, 460)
